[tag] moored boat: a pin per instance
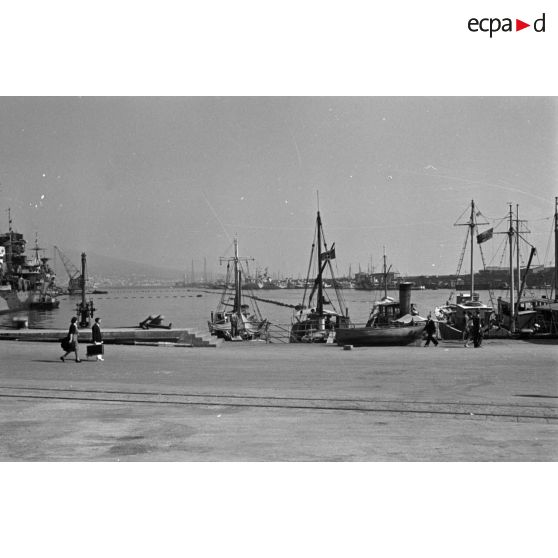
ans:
(391, 322)
(453, 316)
(318, 317)
(44, 301)
(543, 310)
(233, 320)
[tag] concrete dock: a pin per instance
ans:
(271, 402)
(119, 336)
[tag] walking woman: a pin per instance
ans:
(72, 344)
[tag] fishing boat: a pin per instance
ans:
(24, 282)
(452, 317)
(318, 316)
(534, 317)
(233, 320)
(391, 322)
(515, 315)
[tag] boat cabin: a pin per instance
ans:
(384, 312)
(471, 306)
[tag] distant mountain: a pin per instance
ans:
(114, 269)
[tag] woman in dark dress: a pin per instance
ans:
(73, 345)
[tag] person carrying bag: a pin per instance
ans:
(70, 343)
(97, 337)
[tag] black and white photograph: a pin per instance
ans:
(239, 272)
(257, 278)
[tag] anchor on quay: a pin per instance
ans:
(154, 322)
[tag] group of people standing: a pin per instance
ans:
(473, 329)
(71, 343)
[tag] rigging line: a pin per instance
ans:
(499, 252)
(551, 218)
(521, 237)
(390, 226)
(467, 209)
(268, 228)
(216, 216)
(478, 182)
(338, 291)
(339, 228)
(310, 261)
(296, 146)
(549, 242)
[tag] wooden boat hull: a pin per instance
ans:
(245, 329)
(316, 329)
(378, 336)
(309, 333)
(449, 332)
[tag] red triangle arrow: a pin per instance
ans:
(519, 25)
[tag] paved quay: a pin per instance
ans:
(273, 402)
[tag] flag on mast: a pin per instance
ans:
(484, 236)
(329, 254)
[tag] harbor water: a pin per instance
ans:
(189, 307)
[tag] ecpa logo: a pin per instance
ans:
(493, 25)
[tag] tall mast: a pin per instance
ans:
(512, 287)
(9, 258)
(237, 305)
(517, 250)
(556, 249)
(472, 229)
(472, 224)
(385, 274)
(237, 295)
(320, 305)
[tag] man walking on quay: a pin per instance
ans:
(97, 336)
(430, 329)
(477, 330)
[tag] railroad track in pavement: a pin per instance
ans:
(518, 412)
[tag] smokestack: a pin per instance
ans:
(405, 298)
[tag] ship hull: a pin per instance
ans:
(12, 301)
(245, 330)
(378, 336)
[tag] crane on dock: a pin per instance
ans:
(74, 274)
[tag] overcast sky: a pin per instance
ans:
(167, 180)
